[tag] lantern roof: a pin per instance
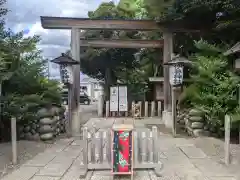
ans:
(179, 60)
(64, 59)
(233, 50)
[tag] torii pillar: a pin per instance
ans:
(167, 53)
(75, 105)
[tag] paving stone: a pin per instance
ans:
(190, 174)
(222, 178)
(172, 166)
(175, 154)
(165, 143)
(55, 169)
(141, 175)
(69, 154)
(128, 121)
(165, 176)
(87, 177)
(56, 148)
(45, 178)
(77, 142)
(101, 177)
(118, 120)
(150, 121)
(23, 173)
(211, 168)
(65, 141)
(180, 142)
(193, 152)
(73, 173)
(40, 160)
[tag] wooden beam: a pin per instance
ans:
(86, 23)
(122, 43)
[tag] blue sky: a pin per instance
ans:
(25, 14)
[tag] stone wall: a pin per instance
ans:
(49, 123)
(193, 122)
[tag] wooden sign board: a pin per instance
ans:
(118, 99)
(114, 99)
(123, 102)
(122, 150)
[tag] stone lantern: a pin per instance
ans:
(66, 72)
(176, 66)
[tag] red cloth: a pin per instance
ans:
(124, 145)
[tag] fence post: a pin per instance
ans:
(135, 148)
(107, 108)
(133, 108)
(153, 109)
(14, 140)
(150, 146)
(146, 109)
(98, 147)
(227, 126)
(109, 145)
(143, 147)
(100, 106)
(104, 135)
(159, 109)
(140, 108)
(155, 147)
(85, 147)
(90, 147)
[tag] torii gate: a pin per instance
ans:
(77, 24)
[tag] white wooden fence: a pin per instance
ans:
(139, 109)
(96, 153)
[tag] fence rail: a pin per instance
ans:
(97, 150)
(139, 109)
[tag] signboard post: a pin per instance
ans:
(123, 103)
(114, 99)
(118, 99)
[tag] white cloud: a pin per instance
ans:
(25, 14)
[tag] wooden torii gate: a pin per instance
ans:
(78, 24)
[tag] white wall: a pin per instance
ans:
(94, 90)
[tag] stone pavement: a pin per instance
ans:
(182, 160)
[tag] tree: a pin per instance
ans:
(105, 63)
(214, 85)
(24, 87)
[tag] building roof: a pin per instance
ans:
(86, 79)
(233, 50)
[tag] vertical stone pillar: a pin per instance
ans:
(167, 52)
(75, 51)
(146, 109)
(100, 105)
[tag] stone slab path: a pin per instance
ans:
(183, 159)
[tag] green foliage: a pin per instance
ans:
(214, 85)
(24, 87)
(112, 65)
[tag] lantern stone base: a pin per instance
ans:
(167, 119)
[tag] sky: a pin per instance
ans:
(25, 15)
